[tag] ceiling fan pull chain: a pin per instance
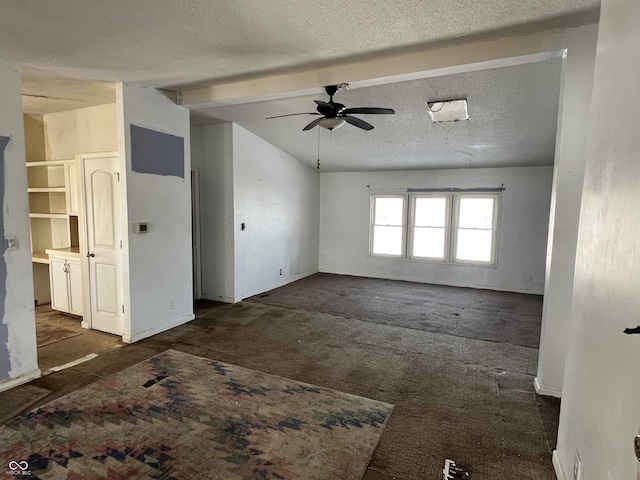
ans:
(318, 167)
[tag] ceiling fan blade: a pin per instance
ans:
(292, 114)
(320, 102)
(369, 110)
(356, 122)
(312, 124)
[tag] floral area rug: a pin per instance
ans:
(178, 416)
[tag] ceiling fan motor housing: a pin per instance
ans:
(330, 109)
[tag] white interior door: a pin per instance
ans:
(104, 248)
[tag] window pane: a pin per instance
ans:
(388, 211)
(474, 245)
(387, 240)
(430, 212)
(476, 213)
(428, 242)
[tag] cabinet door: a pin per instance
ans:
(75, 287)
(59, 284)
(71, 180)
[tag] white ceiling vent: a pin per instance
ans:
(448, 110)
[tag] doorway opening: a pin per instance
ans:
(195, 234)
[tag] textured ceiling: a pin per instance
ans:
(44, 92)
(166, 43)
(72, 52)
(513, 112)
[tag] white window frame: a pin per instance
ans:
(494, 228)
(372, 225)
(411, 227)
(452, 215)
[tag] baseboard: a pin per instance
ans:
(216, 298)
(448, 284)
(285, 281)
(542, 389)
(239, 298)
(136, 337)
(557, 466)
(20, 379)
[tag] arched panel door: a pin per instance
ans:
(102, 217)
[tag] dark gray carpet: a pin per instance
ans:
(464, 312)
(17, 400)
(464, 399)
(47, 334)
(53, 326)
(461, 398)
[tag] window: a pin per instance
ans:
(475, 239)
(441, 227)
(388, 225)
(430, 222)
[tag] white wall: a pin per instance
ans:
(158, 264)
(277, 197)
(212, 155)
(18, 357)
(345, 217)
(600, 413)
(568, 176)
(84, 130)
(244, 179)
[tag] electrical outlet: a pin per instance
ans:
(577, 467)
(172, 304)
(528, 277)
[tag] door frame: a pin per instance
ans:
(83, 234)
(195, 232)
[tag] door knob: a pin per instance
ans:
(91, 254)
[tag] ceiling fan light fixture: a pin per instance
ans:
(448, 110)
(332, 123)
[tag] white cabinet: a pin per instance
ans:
(66, 283)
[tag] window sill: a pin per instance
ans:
(431, 262)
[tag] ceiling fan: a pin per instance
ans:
(334, 115)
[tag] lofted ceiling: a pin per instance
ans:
(513, 112)
(73, 52)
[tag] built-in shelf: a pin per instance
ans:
(62, 216)
(47, 190)
(40, 257)
(68, 251)
(54, 222)
(48, 163)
